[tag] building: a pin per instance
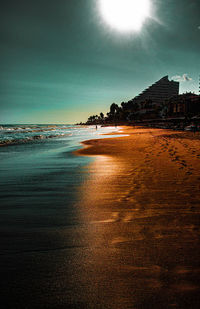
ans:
(158, 92)
(187, 104)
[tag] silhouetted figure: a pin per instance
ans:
(96, 127)
(194, 128)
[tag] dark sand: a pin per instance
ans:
(141, 212)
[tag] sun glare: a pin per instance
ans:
(125, 15)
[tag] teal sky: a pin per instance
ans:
(61, 63)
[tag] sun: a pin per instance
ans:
(125, 15)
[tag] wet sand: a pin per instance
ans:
(140, 206)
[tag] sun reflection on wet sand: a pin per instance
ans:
(141, 223)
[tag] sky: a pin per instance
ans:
(61, 61)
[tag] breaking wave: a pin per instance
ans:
(14, 135)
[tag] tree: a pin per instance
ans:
(102, 116)
(113, 108)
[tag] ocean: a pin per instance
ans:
(40, 179)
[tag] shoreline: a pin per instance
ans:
(118, 230)
(141, 202)
(124, 132)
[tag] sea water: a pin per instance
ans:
(39, 172)
(40, 179)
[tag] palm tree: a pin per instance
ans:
(102, 116)
(113, 108)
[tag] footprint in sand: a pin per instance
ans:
(137, 186)
(128, 217)
(183, 163)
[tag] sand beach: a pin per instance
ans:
(141, 205)
(111, 225)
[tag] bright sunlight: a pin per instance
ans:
(125, 15)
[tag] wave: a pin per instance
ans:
(33, 129)
(24, 134)
(21, 134)
(30, 139)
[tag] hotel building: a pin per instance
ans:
(158, 92)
